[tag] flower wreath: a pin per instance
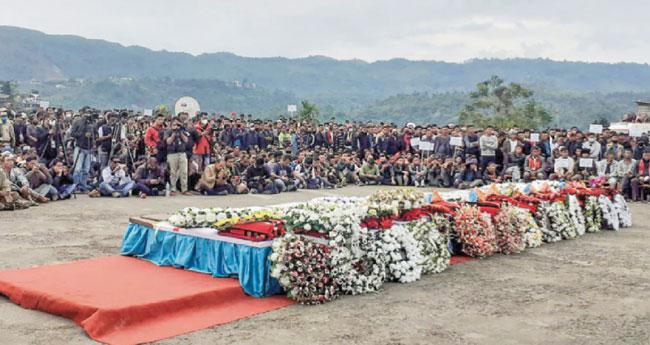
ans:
(509, 231)
(403, 254)
(610, 214)
(303, 269)
(593, 214)
(577, 217)
(561, 222)
(543, 219)
(357, 258)
(474, 233)
(624, 215)
(434, 243)
(532, 233)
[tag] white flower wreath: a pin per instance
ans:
(577, 217)
(610, 214)
(402, 253)
(434, 242)
(623, 211)
(532, 233)
(358, 261)
(561, 222)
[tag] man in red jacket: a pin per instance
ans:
(202, 145)
(153, 138)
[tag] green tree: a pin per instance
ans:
(308, 112)
(503, 106)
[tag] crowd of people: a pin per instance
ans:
(55, 153)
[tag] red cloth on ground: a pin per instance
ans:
(124, 300)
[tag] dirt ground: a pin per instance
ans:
(594, 290)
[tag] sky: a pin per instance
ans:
(454, 31)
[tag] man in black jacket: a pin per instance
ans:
(83, 133)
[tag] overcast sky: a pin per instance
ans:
(607, 31)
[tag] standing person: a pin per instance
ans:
(202, 145)
(471, 143)
(105, 140)
(7, 134)
(176, 139)
(153, 138)
(488, 144)
(82, 131)
(593, 146)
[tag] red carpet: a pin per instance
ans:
(123, 300)
(458, 259)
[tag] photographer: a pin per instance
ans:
(202, 146)
(154, 139)
(176, 139)
(116, 180)
(83, 133)
(105, 139)
(259, 178)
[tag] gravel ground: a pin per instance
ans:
(594, 290)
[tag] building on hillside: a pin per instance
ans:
(643, 108)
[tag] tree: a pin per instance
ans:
(501, 106)
(308, 111)
(8, 87)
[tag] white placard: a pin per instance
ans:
(292, 108)
(586, 162)
(426, 146)
(456, 141)
(594, 128)
(415, 142)
(636, 132)
(148, 112)
(534, 137)
(562, 163)
(45, 104)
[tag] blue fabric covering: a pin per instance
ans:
(220, 259)
(473, 197)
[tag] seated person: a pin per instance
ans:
(259, 179)
(534, 166)
(234, 176)
(387, 172)
(283, 175)
(514, 166)
(563, 166)
(369, 174)
(401, 171)
(149, 179)
(347, 170)
(214, 180)
(115, 181)
(417, 172)
(608, 168)
(40, 180)
(586, 173)
(641, 175)
(307, 175)
(19, 182)
(491, 174)
(469, 177)
(62, 179)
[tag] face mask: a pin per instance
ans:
(591, 140)
(4, 120)
(52, 122)
(68, 115)
(204, 121)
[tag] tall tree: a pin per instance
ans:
(503, 106)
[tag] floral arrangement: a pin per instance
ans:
(402, 254)
(509, 230)
(533, 235)
(577, 217)
(434, 243)
(543, 219)
(593, 214)
(218, 218)
(303, 269)
(624, 215)
(475, 234)
(610, 214)
(561, 223)
(357, 257)
(389, 202)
